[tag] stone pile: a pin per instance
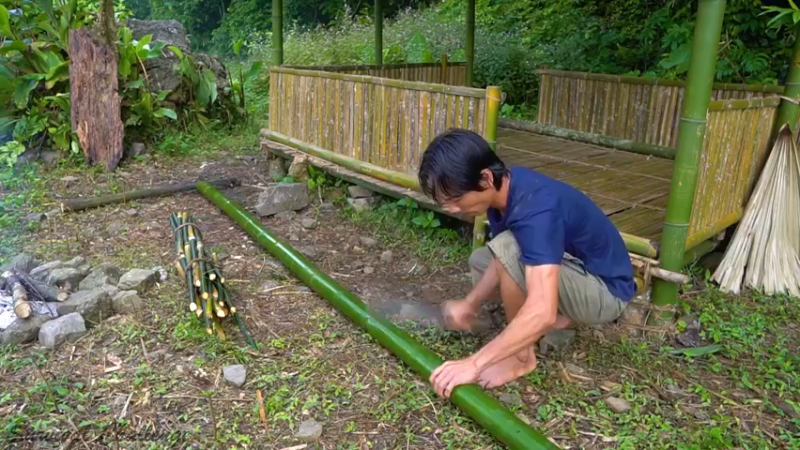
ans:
(93, 294)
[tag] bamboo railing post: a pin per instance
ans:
(691, 133)
(277, 32)
(469, 51)
(443, 74)
(493, 97)
(787, 111)
(378, 32)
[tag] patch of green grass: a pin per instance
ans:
(403, 223)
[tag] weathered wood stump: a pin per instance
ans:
(96, 104)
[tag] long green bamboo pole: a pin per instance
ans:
(474, 401)
(378, 32)
(787, 111)
(277, 32)
(469, 51)
(691, 131)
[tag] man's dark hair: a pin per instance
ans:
(451, 165)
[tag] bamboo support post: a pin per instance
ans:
(487, 412)
(691, 133)
(787, 112)
(277, 32)
(378, 32)
(469, 51)
(443, 73)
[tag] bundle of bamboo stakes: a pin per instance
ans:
(209, 297)
(764, 253)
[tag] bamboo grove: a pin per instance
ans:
(209, 295)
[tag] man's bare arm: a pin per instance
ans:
(536, 316)
(485, 285)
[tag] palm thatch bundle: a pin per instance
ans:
(764, 253)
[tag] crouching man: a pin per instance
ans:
(557, 259)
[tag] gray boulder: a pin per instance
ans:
(138, 280)
(104, 274)
(126, 302)
(76, 262)
(65, 276)
(93, 306)
(42, 272)
(64, 329)
(22, 331)
(282, 197)
(23, 262)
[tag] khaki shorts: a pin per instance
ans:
(582, 297)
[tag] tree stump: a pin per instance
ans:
(96, 105)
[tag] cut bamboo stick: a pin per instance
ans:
(22, 308)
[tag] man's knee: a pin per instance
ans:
(479, 261)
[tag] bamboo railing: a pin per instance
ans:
(384, 122)
(736, 144)
(625, 107)
(450, 73)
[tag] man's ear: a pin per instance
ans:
(487, 179)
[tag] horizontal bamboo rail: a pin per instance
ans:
(736, 144)
(450, 73)
(625, 107)
(383, 122)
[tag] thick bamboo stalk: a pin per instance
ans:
(770, 88)
(690, 144)
(277, 32)
(483, 408)
(787, 112)
(378, 32)
(699, 251)
(443, 73)
(493, 99)
(372, 170)
(401, 84)
(469, 49)
(596, 139)
(159, 190)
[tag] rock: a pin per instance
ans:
(308, 223)
(104, 274)
(309, 252)
(556, 340)
(357, 191)
(34, 218)
(66, 328)
(138, 280)
(387, 256)
(126, 302)
(94, 305)
(369, 270)
(618, 405)
(55, 212)
(22, 331)
(115, 228)
(310, 430)
(282, 197)
(368, 241)
(170, 32)
(276, 169)
(131, 212)
(235, 375)
(110, 290)
(572, 368)
(286, 215)
(689, 338)
(75, 262)
(28, 156)
(136, 149)
(23, 262)
(691, 321)
(294, 237)
(362, 204)
(327, 206)
(50, 157)
(633, 314)
(65, 277)
(298, 169)
(42, 272)
(510, 398)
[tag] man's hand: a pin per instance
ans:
(459, 314)
(453, 373)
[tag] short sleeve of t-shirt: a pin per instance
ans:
(540, 236)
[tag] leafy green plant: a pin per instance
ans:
(238, 83)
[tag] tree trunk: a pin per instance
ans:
(96, 105)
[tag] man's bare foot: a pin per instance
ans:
(508, 369)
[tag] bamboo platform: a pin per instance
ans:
(630, 188)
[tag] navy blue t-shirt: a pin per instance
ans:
(549, 217)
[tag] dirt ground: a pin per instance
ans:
(313, 364)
